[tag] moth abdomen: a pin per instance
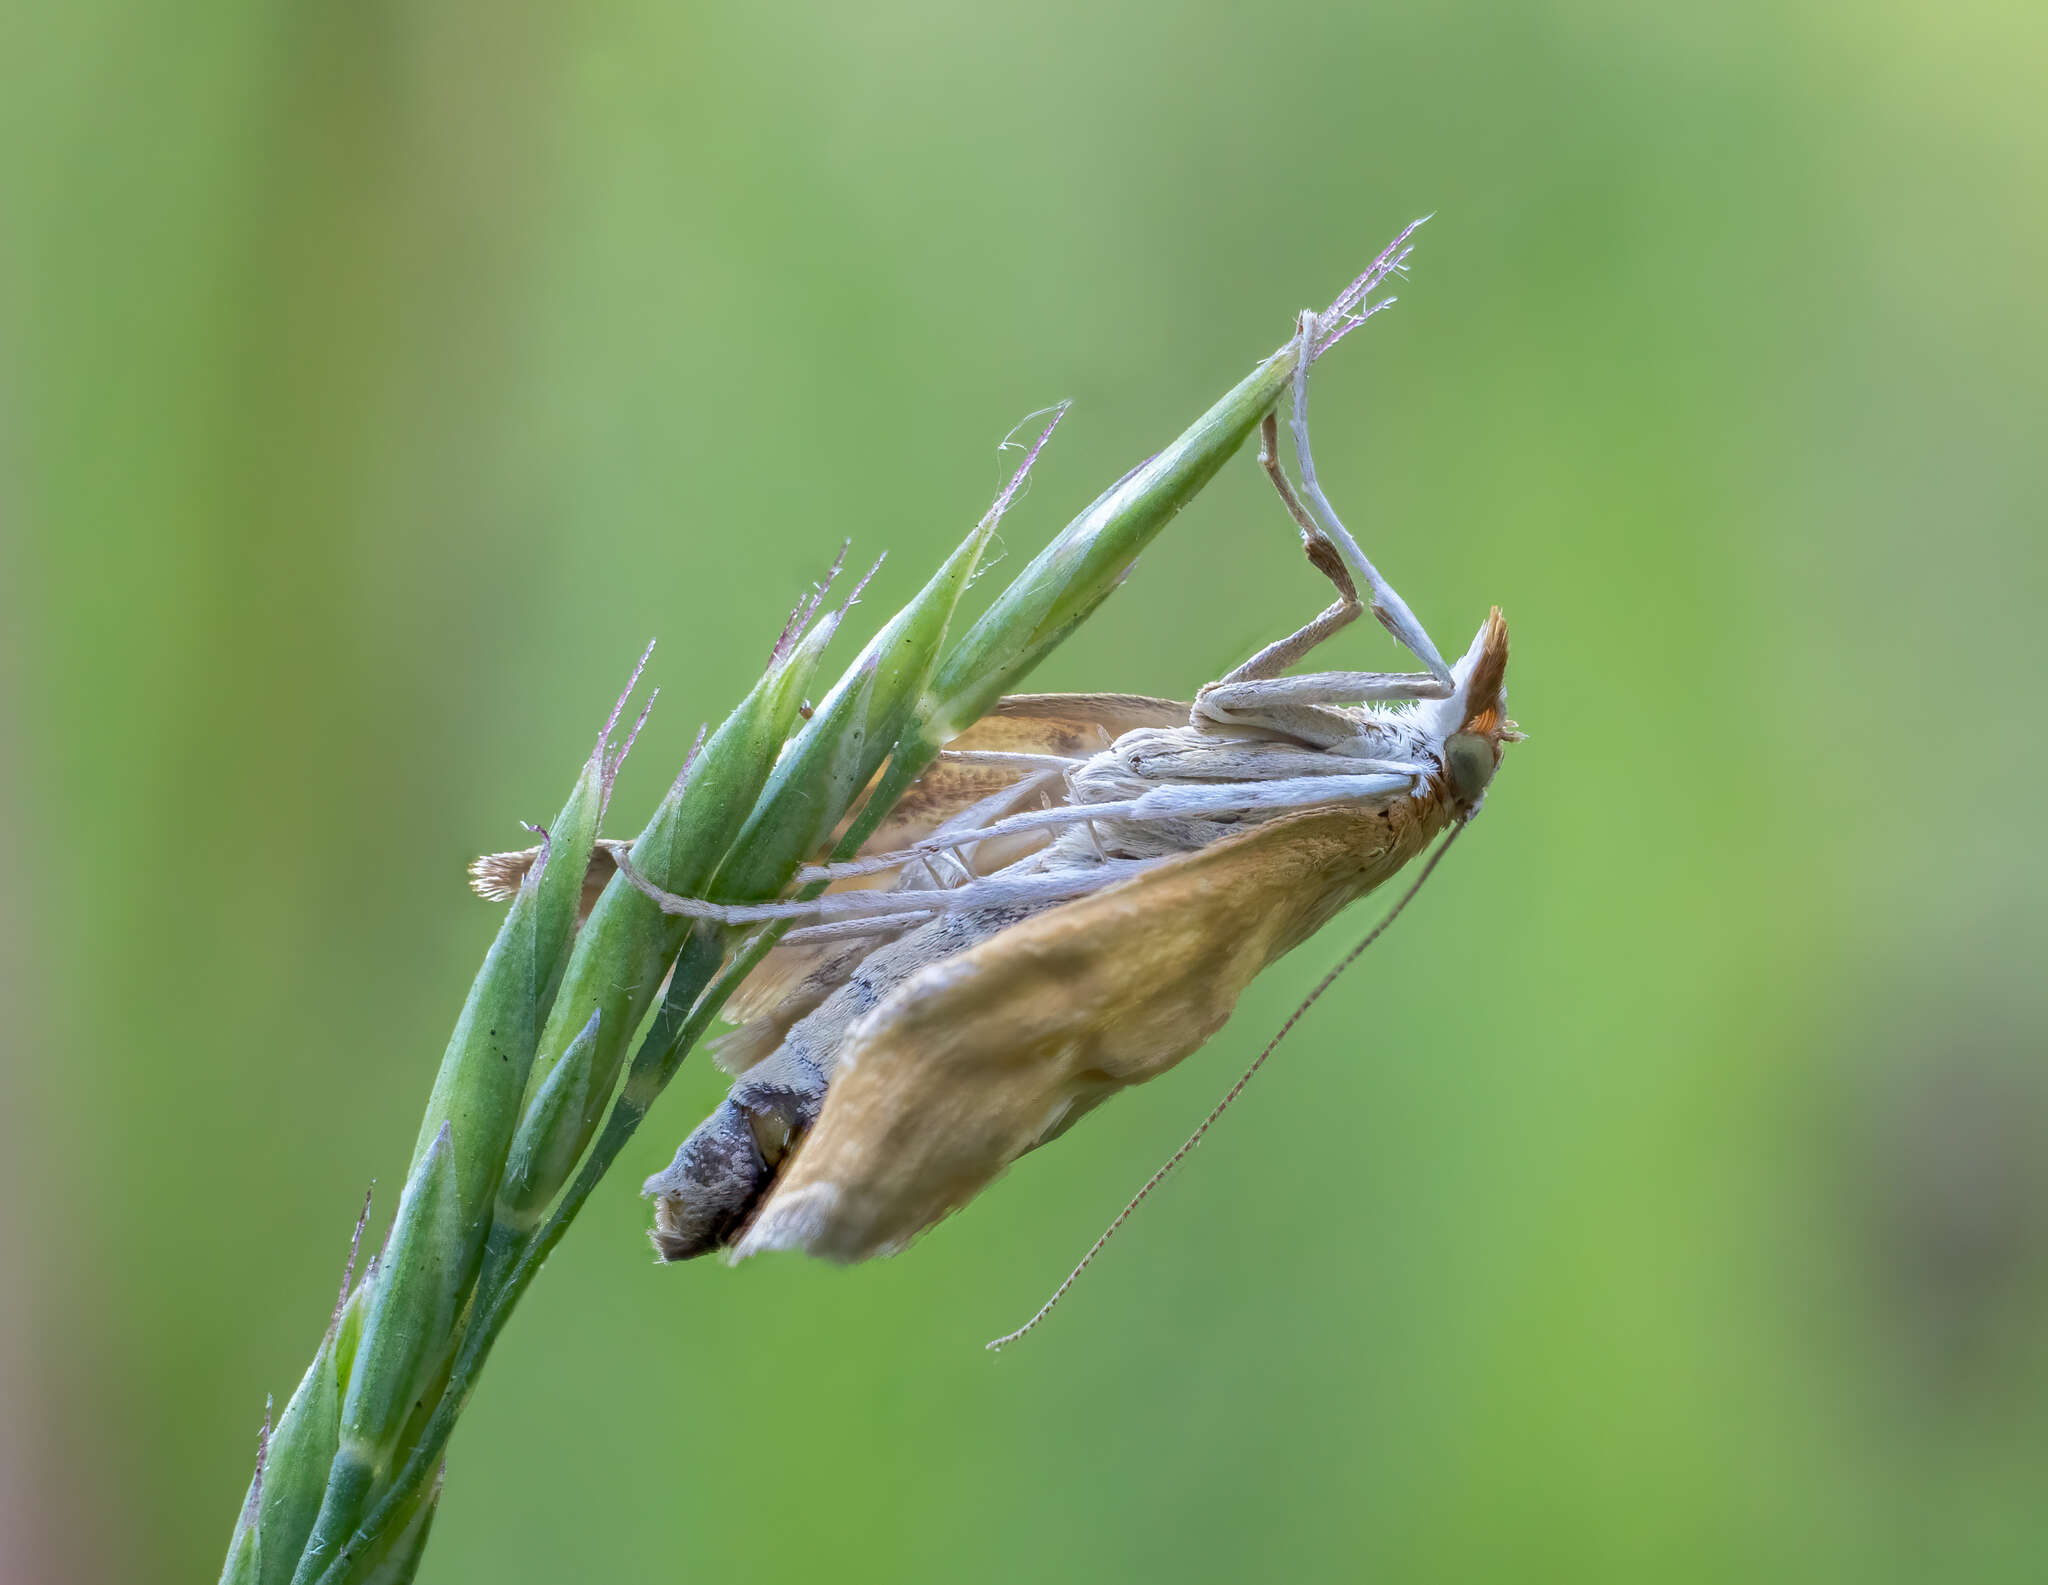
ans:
(730, 1162)
(722, 1163)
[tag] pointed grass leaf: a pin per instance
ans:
(849, 735)
(545, 1148)
(409, 1311)
(876, 713)
(559, 890)
(295, 1472)
(244, 1564)
(477, 1092)
(411, 1306)
(1067, 580)
(1086, 561)
(483, 1073)
(296, 1453)
(624, 950)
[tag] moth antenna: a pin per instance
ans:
(996, 1344)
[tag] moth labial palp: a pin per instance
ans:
(924, 1026)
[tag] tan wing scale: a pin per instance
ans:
(1072, 725)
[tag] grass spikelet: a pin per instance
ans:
(528, 1110)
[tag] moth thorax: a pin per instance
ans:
(1469, 760)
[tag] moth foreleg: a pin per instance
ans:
(1282, 653)
(851, 930)
(1195, 800)
(1248, 703)
(1051, 769)
(1369, 780)
(1322, 555)
(1364, 781)
(1391, 610)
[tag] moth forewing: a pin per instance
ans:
(983, 1056)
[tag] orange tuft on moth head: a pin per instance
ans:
(1485, 685)
(1480, 725)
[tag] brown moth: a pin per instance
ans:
(1068, 903)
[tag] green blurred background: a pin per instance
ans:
(1667, 1198)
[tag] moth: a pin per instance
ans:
(1068, 903)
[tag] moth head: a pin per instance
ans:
(1474, 722)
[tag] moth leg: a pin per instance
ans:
(1255, 703)
(850, 929)
(1256, 694)
(1003, 759)
(1322, 555)
(1391, 610)
(1171, 801)
(997, 804)
(1236, 699)
(1172, 804)
(1020, 884)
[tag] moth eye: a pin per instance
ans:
(1469, 759)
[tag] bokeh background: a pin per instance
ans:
(1667, 1198)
